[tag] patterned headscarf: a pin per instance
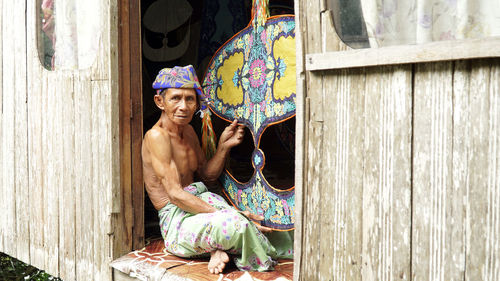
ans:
(179, 77)
(185, 77)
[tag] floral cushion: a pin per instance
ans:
(153, 262)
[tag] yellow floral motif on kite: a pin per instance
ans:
(250, 64)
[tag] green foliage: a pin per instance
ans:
(12, 269)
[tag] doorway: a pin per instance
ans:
(148, 43)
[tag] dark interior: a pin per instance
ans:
(209, 24)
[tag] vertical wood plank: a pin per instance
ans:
(106, 174)
(460, 165)
(387, 174)
(114, 89)
(313, 45)
(67, 187)
(8, 144)
(100, 67)
(35, 77)
(56, 136)
(312, 19)
(85, 195)
(124, 219)
(432, 180)
(492, 270)
(97, 188)
(483, 206)
(299, 141)
(121, 187)
(310, 14)
(21, 130)
(137, 131)
(312, 217)
(2, 202)
(50, 172)
(342, 175)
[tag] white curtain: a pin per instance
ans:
(76, 33)
(397, 22)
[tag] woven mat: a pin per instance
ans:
(153, 262)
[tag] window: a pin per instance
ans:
(379, 23)
(68, 33)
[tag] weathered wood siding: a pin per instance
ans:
(401, 166)
(59, 154)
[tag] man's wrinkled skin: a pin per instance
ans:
(171, 154)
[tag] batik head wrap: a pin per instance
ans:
(185, 78)
(178, 77)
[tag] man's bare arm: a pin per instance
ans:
(210, 170)
(166, 170)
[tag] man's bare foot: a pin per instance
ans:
(218, 260)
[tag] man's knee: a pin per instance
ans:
(229, 221)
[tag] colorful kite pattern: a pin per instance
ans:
(252, 78)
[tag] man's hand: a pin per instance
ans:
(232, 135)
(253, 218)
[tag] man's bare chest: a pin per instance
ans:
(185, 158)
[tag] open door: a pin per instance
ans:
(130, 61)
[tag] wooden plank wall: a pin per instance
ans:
(59, 150)
(2, 195)
(401, 166)
(14, 129)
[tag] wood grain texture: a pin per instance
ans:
(331, 42)
(8, 144)
(314, 124)
(482, 237)
(341, 181)
(100, 68)
(67, 188)
(460, 165)
(312, 12)
(2, 199)
(51, 176)
(299, 141)
(85, 196)
(386, 206)
(428, 201)
(136, 124)
(35, 77)
(97, 189)
(106, 171)
(312, 19)
(114, 96)
(312, 224)
(59, 152)
(124, 219)
(432, 179)
(121, 204)
(22, 216)
(405, 54)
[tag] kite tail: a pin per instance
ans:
(260, 12)
(208, 135)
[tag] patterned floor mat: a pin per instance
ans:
(153, 262)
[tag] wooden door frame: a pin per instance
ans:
(131, 118)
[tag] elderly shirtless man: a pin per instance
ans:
(193, 221)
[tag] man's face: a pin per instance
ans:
(180, 105)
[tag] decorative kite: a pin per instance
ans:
(252, 78)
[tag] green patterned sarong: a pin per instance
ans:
(190, 235)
